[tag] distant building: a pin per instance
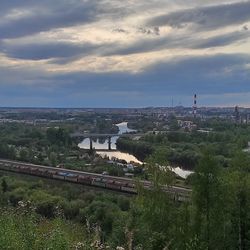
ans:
(237, 115)
(187, 125)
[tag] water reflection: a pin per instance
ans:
(181, 172)
(99, 143)
(123, 128)
(119, 155)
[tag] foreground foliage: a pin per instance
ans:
(216, 217)
(22, 229)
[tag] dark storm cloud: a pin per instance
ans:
(48, 50)
(7, 5)
(207, 75)
(48, 15)
(206, 18)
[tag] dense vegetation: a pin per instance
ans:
(140, 149)
(49, 146)
(20, 228)
(216, 217)
(33, 144)
(185, 148)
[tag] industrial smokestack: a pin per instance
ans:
(195, 106)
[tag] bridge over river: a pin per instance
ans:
(96, 135)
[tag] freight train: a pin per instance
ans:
(91, 179)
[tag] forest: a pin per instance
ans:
(185, 148)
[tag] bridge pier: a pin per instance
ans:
(109, 143)
(90, 143)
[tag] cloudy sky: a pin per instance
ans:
(131, 53)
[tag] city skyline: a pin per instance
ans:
(108, 53)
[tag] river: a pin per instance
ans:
(103, 144)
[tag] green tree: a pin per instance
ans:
(239, 184)
(24, 155)
(4, 186)
(208, 204)
(173, 123)
(53, 159)
(153, 213)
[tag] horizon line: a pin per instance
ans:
(145, 107)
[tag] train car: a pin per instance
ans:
(71, 177)
(112, 185)
(34, 170)
(60, 175)
(50, 173)
(14, 168)
(98, 182)
(179, 193)
(182, 197)
(129, 187)
(118, 185)
(84, 179)
(147, 185)
(24, 169)
(42, 172)
(5, 166)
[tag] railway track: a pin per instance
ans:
(120, 184)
